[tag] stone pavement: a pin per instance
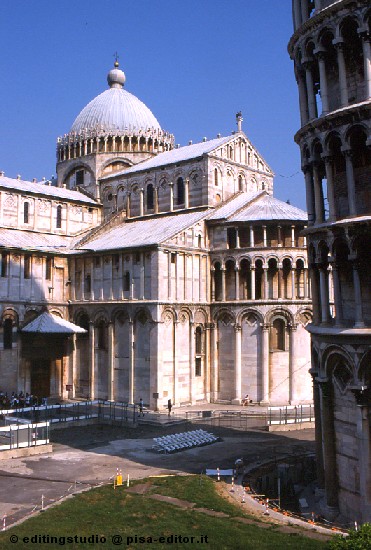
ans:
(88, 456)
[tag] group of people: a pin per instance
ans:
(141, 407)
(19, 400)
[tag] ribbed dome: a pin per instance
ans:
(115, 110)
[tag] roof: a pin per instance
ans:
(43, 189)
(143, 232)
(115, 110)
(233, 205)
(48, 323)
(268, 208)
(175, 155)
(33, 240)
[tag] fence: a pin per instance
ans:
(16, 436)
(74, 412)
(290, 415)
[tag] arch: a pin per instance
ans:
(331, 355)
(26, 211)
(73, 168)
(249, 313)
(82, 320)
(282, 312)
(224, 315)
(150, 196)
(58, 222)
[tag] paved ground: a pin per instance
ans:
(84, 457)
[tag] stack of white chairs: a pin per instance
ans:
(180, 442)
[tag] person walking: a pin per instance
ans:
(169, 406)
(141, 405)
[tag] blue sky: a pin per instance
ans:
(193, 63)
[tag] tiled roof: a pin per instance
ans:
(143, 232)
(43, 189)
(175, 155)
(32, 240)
(48, 323)
(233, 205)
(268, 208)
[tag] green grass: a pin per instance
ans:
(105, 512)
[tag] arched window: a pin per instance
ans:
(126, 281)
(180, 191)
(102, 336)
(278, 335)
(216, 177)
(199, 351)
(26, 208)
(27, 267)
(4, 264)
(150, 201)
(8, 334)
(59, 217)
(48, 268)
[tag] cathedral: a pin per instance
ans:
(152, 271)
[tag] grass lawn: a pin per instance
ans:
(103, 514)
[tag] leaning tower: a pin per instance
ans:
(331, 51)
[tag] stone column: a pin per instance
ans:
(337, 295)
(292, 366)
(72, 376)
(330, 186)
(305, 277)
(294, 295)
(303, 101)
(252, 243)
(131, 361)
(297, 14)
(321, 56)
(171, 187)
(169, 276)
(191, 361)
(208, 334)
(141, 202)
(318, 432)
(265, 294)
(212, 279)
(265, 236)
(142, 276)
(318, 194)
(111, 361)
(237, 238)
(237, 282)
(91, 360)
(362, 397)
(367, 62)
(279, 281)
(265, 366)
(186, 193)
(279, 235)
(128, 206)
(155, 193)
(324, 294)
(315, 295)
(215, 363)
(312, 104)
(222, 269)
(304, 11)
(309, 192)
(252, 278)
(350, 181)
(358, 321)
(339, 44)
(293, 236)
(175, 363)
(237, 364)
(329, 446)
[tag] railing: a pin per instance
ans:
(74, 412)
(17, 436)
(293, 414)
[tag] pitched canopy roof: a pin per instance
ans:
(47, 323)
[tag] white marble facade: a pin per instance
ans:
(190, 278)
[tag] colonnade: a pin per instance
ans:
(73, 146)
(258, 280)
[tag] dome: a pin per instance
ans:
(115, 111)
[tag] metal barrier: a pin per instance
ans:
(293, 414)
(99, 409)
(16, 436)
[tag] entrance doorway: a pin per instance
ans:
(40, 377)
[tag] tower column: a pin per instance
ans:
(350, 181)
(309, 192)
(91, 360)
(312, 104)
(111, 361)
(339, 44)
(265, 365)
(321, 56)
(330, 186)
(366, 45)
(328, 445)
